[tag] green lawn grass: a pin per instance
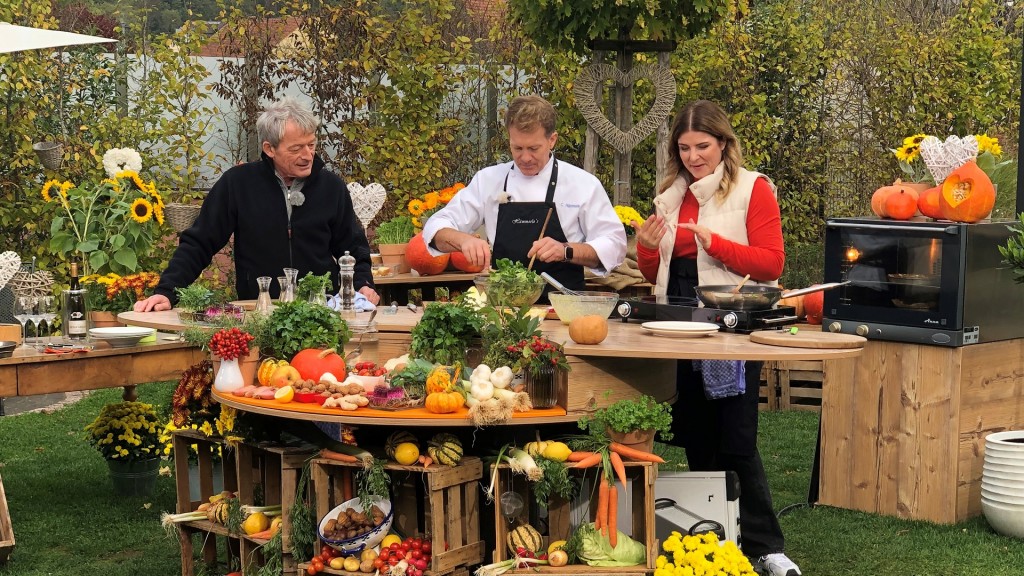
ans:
(67, 519)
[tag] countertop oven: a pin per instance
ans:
(927, 282)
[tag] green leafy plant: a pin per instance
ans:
(398, 230)
(194, 298)
(624, 416)
(1013, 251)
(312, 285)
(295, 326)
(503, 330)
(445, 331)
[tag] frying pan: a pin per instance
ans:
(752, 297)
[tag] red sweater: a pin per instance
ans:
(762, 259)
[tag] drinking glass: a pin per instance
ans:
(48, 310)
(36, 316)
(23, 308)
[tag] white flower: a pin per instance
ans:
(121, 159)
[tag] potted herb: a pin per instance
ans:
(314, 288)
(193, 300)
(392, 238)
(503, 331)
(295, 326)
(445, 332)
(633, 422)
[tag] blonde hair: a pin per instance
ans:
(708, 117)
(525, 113)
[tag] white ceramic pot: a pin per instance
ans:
(1004, 499)
(1006, 520)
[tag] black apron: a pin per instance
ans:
(518, 227)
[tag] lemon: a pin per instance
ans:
(256, 522)
(406, 453)
(389, 540)
(557, 451)
(284, 394)
(556, 545)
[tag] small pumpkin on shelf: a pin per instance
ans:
(444, 402)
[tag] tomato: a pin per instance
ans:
(310, 570)
(325, 554)
(379, 563)
(395, 546)
(426, 547)
(317, 563)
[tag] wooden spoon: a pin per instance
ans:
(736, 290)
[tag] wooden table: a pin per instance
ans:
(31, 373)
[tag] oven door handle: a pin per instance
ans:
(954, 230)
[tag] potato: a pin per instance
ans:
(366, 566)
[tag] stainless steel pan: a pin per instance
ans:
(752, 297)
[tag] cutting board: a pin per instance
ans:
(807, 339)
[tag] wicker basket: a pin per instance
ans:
(181, 216)
(50, 154)
(34, 284)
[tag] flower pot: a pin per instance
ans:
(134, 477)
(639, 439)
(247, 366)
(103, 319)
(393, 255)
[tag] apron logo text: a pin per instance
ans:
(521, 221)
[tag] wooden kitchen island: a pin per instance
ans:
(903, 426)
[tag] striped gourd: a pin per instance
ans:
(526, 536)
(445, 449)
(396, 438)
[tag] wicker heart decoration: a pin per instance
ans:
(367, 200)
(664, 98)
(941, 158)
(10, 262)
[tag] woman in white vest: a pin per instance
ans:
(714, 223)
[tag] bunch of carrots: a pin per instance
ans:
(608, 492)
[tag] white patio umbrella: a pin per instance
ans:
(14, 38)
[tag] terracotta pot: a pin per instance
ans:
(394, 255)
(248, 365)
(639, 439)
(102, 319)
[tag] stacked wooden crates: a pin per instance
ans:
(6, 530)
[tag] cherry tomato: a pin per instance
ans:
(384, 553)
(426, 547)
(395, 546)
(310, 570)
(317, 564)
(378, 563)
(392, 561)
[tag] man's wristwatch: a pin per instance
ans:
(568, 254)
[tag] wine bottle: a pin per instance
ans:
(77, 322)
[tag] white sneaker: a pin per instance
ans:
(777, 564)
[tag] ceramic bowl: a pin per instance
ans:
(7, 348)
(120, 336)
(361, 542)
(1006, 520)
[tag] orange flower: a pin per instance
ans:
(431, 199)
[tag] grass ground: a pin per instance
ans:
(68, 521)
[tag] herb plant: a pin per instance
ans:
(556, 480)
(627, 416)
(398, 230)
(312, 285)
(502, 333)
(373, 482)
(445, 331)
(194, 298)
(298, 325)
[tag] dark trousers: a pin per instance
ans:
(722, 435)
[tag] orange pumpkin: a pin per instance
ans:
(901, 206)
(461, 263)
(879, 198)
(967, 194)
(796, 302)
(591, 329)
(814, 306)
(444, 402)
(266, 370)
(420, 260)
(312, 363)
(928, 202)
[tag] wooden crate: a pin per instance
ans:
(794, 385)
(441, 501)
(6, 529)
(560, 522)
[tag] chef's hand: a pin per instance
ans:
(370, 294)
(477, 251)
(701, 233)
(650, 233)
(547, 249)
(154, 303)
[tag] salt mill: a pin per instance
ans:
(348, 291)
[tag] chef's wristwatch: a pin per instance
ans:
(568, 254)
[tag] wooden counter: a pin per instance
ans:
(903, 426)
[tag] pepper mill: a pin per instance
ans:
(347, 263)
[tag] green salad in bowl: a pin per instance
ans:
(510, 284)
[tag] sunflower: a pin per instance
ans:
(914, 140)
(114, 184)
(908, 152)
(416, 207)
(141, 211)
(46, 189)
(158, 213)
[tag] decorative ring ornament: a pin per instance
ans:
(664, 98)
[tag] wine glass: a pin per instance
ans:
(36, 316)
(48, 311)
(24, 307)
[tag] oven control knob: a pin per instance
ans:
(863, 330)
(624, 310)
(835, 327)
(730, 320)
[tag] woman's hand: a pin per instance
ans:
(650, 233)
(701, 233)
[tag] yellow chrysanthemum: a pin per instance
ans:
(141, 210)
(416, 222)
(989, 144)
(628, 214)
(416, 207)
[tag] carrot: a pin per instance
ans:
(264, 535)
(620, 468)
(592, 460)
(602, 506)
(577, 456)
(613, 512)
(332, 455)
(634, 454)
(346, 484)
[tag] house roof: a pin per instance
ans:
(280, 32)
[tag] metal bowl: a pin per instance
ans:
(568, 307)
(512, 294)
(7, 348)
(747, 298)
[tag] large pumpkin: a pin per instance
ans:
(461, 263)
(312, 363)
(967, 194)
(420, 260)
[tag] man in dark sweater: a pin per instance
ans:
(284, 210)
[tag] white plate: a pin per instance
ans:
(680, 329)
(120, 332)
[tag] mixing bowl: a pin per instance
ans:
(512, 293)
(569, 307)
